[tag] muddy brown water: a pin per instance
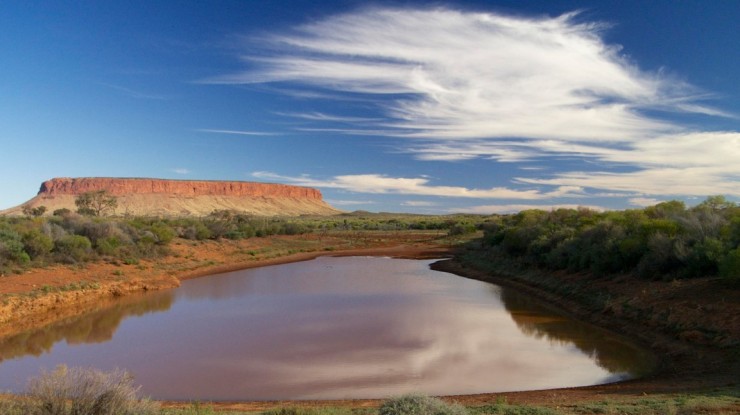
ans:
(330, 328)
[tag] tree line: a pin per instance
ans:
(664, 241)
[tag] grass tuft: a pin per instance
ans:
(417, 404)
(78, 391)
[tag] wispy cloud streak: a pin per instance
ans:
(460, 85)
(477, 75)
(237, 132)
(504, 209)
(419, 186)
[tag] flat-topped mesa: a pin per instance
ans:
(129, 186)
(176, 198)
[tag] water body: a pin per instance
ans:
(331, 328)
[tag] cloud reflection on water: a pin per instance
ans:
(333, 328)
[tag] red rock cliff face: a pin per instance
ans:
(120, 187)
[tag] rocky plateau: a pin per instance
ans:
(172, 198)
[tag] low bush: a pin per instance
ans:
(77, 391)
(11, 407)
(417, 404)
(73, 248)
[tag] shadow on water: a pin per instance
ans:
(96, 326)
(615, 354)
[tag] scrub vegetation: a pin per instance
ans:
(417, 404)
(72, 238)
(665, 241)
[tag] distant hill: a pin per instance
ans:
(158, 197)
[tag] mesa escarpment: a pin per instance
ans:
(159, 197)
(128, 186)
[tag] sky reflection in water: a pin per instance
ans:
(329, 328)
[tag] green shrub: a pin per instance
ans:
(108, 246)
(61, 212)
(459, 229)
(11, 248)
(37, 244)
(163, 232)
(79, 391)
(73, 248)
(194, 230)
(729, 268)
(417, 404)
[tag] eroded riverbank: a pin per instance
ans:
(686, 366)
(361, 327)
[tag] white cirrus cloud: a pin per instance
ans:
(514, 208)
(236, 132)
(181, 170)
(461, 85)
(697, 181)
(476, 75)
(418, 203)
(689, 164)
(349, 202)
(644, 201)
(419, 186)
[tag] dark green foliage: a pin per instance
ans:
(663, 241)
(729, 267)
(73, 248)
(11, 247)
(108, 246)
(192, 229)
(69, 237)
(37, 244)
(162, 232)
(461, 229)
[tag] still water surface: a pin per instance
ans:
(357, 327)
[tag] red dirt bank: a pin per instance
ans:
(686, 366)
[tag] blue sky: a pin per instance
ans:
(469, 106)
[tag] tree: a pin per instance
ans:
(96, 203)
(716, 203)
(35, 212)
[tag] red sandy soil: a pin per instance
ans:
(689, 361)
(40, 296)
